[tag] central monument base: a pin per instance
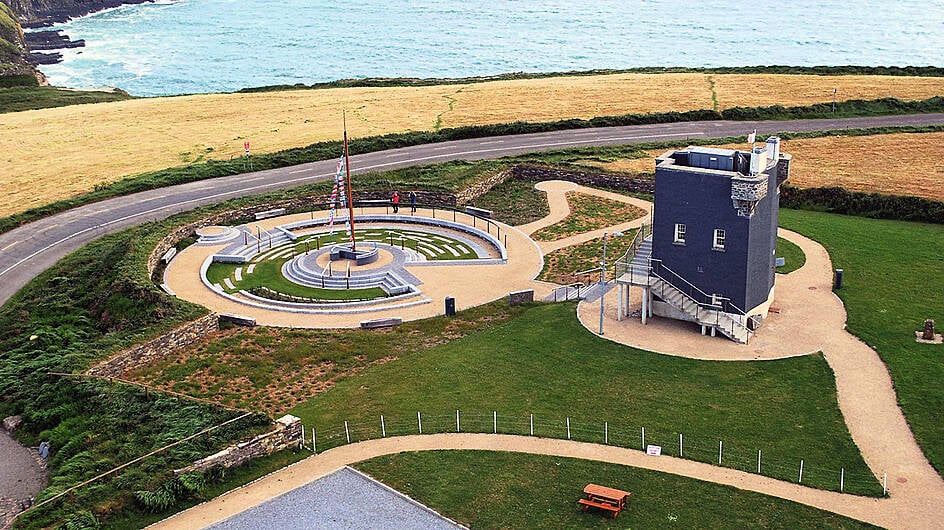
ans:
(359, 256)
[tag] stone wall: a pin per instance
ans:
(521, 297)
(157, 348)
(286, 433)
(478, 189)
(586, 178)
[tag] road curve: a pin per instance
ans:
(28, 250)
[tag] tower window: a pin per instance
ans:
(718, 243)
(680, 234)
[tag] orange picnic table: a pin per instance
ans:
(610, 500)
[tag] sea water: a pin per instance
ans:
(197, 46)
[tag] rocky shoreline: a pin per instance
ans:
(41, 46)
(42, 14)
(39, 42)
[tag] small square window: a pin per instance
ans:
(680, 234)
(718, 243)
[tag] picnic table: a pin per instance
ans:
(610, 500)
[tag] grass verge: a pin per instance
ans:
(892, 283)
(18, 99)
(792, 254)
(546, 363)
(514, 202)
(560, 265)
(587, 213)
(275, 369)
(483, 489)
(908, 71)
(330, 150)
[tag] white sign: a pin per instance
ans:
(654, 450)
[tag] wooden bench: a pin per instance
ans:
(610, 500)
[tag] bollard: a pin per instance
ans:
(450, 306)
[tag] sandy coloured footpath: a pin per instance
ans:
(811, 319)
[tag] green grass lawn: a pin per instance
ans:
(511, 490)
(269, 274)
(515, 202)
(547, 364)
(560, 265)
(795, 258)
(30, 98)
(893, 280)
(273, 369)
(588, 212)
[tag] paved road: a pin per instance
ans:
(31, 249)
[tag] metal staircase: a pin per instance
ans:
(638, 268)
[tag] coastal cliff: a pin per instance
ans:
(40, 13)
(15, 69)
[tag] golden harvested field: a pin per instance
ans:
(53, 154)
(894, 164)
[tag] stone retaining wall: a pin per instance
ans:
(286, 433)
(586, 178)
(158, 348)
(521, 297)
(481, 188)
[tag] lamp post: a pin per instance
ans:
(603, 276)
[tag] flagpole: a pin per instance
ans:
(347, 168)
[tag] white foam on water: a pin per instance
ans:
(187, 46)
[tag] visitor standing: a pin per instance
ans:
(412, 202)
(395, 199)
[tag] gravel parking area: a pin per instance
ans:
(344, 499)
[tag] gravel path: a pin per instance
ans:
(812, 319)
(21, 476)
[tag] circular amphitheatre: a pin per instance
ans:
(301, 270)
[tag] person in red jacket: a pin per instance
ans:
(395, 199)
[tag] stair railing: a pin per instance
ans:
(718, 304)
(622, 265)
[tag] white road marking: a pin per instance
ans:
(285, 183)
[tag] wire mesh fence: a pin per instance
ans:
(856, 478)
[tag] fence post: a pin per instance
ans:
(347, 432)
(842, 479)
(643, 438)
(758, 461)
(383, 426)
(532, 424)
(606, 433)
(314, 441)
(568, 428)
(457, 420)
(419, 422)
(800, 480)
(494, 422)
(680, 445)
(303, 436)
(720, 450)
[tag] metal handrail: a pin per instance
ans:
(709, 305)
(622, 264)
